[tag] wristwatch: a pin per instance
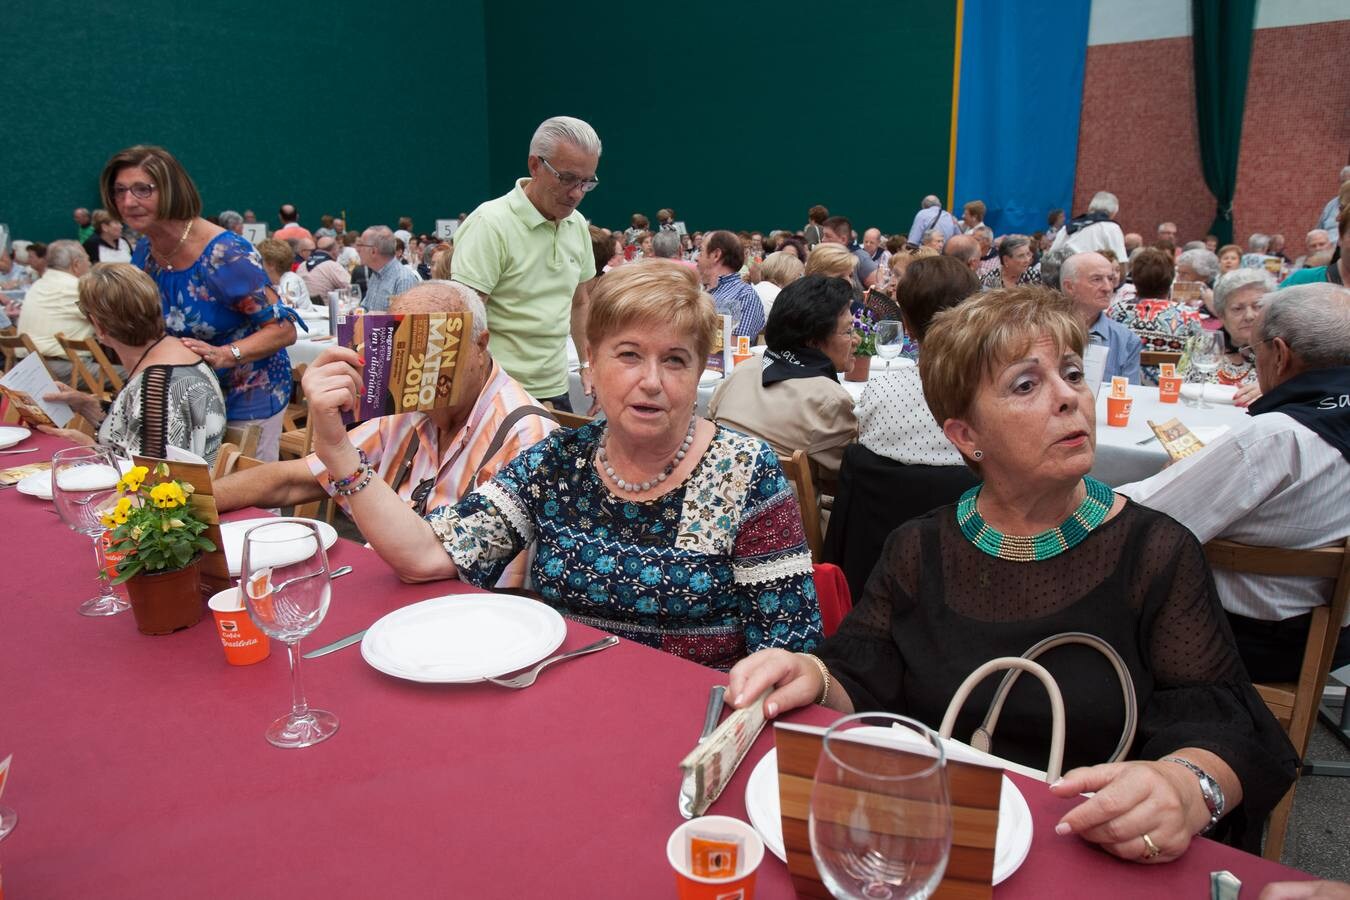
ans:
(1209, 789)
(238, 357)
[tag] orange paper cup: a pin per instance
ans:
(739, 886)
(244, 643)
(1169, 389)
(1118, 411)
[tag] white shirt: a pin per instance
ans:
(894, 421)
(1275, 483)
(768, 292)
(293, 291)
(1097, 236)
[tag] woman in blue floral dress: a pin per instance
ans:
(653, 523)
(216, 295)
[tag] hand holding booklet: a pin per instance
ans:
(409, 362)
(26, 384)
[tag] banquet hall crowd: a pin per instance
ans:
(683, 532)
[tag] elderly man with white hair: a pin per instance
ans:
(419, 460)
(378, 249)
(1317, 240)
(528, 254)
(1283, 481)
(1096, 229)
(52, 305)
(1332, 211)
(319, 269)
(932, 215)
(1088, 280)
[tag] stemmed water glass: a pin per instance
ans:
(1206, 355)
(890, 338)
(881, 820)
(84, 482)
(353, 299)
(284, 577)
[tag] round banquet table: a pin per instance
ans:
(140, 768)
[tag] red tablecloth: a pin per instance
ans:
(140, 768)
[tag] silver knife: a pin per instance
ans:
(336, 645)
(710, 718)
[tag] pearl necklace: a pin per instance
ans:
(630, 487)
(163, 260)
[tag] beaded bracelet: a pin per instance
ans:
(362, 467)
(825, 674)
(365, 473)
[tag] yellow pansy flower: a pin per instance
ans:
(132, 481)
(168, 495)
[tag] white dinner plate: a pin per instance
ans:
(463, 638)
(232, 536)
(39, 484)
(1214, 393)
(11, 435)
(1011, 843)
(709, 376)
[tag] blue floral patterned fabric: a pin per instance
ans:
(713, 570)
(220, 300)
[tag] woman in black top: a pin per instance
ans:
(1037, 549)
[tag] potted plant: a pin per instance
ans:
(156, 539)
(866, 330)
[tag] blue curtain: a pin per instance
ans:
(1017, 120)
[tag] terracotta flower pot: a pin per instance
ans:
(862, 365)
(164, 602)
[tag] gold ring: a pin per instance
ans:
(1151, 848)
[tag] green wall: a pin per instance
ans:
(381, 110)
(737, 115)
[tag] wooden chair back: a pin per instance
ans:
(1295, 704)
(797, 468)
(11, 341)
(297, 443)
(1158, 357)
(245, 437)
(297, 411)
(224, 460)
(102, 379)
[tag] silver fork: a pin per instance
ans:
(525, 679)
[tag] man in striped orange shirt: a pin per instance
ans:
(429, 459)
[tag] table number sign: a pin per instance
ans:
(975, 793)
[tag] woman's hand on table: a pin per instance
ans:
(78, 438)
(1247, 394)
(332, 384)
(796, 679)
(1133, 799)
(1306, 890)
(83, 404)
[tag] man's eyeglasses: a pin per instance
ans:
(1250, 349)
(569, 181)
(140, 190)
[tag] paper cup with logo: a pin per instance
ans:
(737, 883)
(244, 643)
(1118, 411)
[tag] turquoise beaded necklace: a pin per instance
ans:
(1028, 548)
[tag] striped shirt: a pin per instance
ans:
(737, 298)
(1275, 483)
(458, 467)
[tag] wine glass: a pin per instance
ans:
(353, 299)
(881, 820)
(890, 339)
(84, 482)
(1206, 354)
(284, 578)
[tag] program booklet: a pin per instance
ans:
(411, 361)
(25, 385)
(1178, 440)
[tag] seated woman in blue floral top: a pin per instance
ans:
(217, 297)
(653, 524)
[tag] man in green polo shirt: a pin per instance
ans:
(529, 255)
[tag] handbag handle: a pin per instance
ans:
(982, 739)
(1018, 664)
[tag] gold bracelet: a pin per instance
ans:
(825, 674)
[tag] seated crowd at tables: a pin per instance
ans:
(683, 533)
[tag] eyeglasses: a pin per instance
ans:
(140, 190)
(1251, 348)
(569, 181)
